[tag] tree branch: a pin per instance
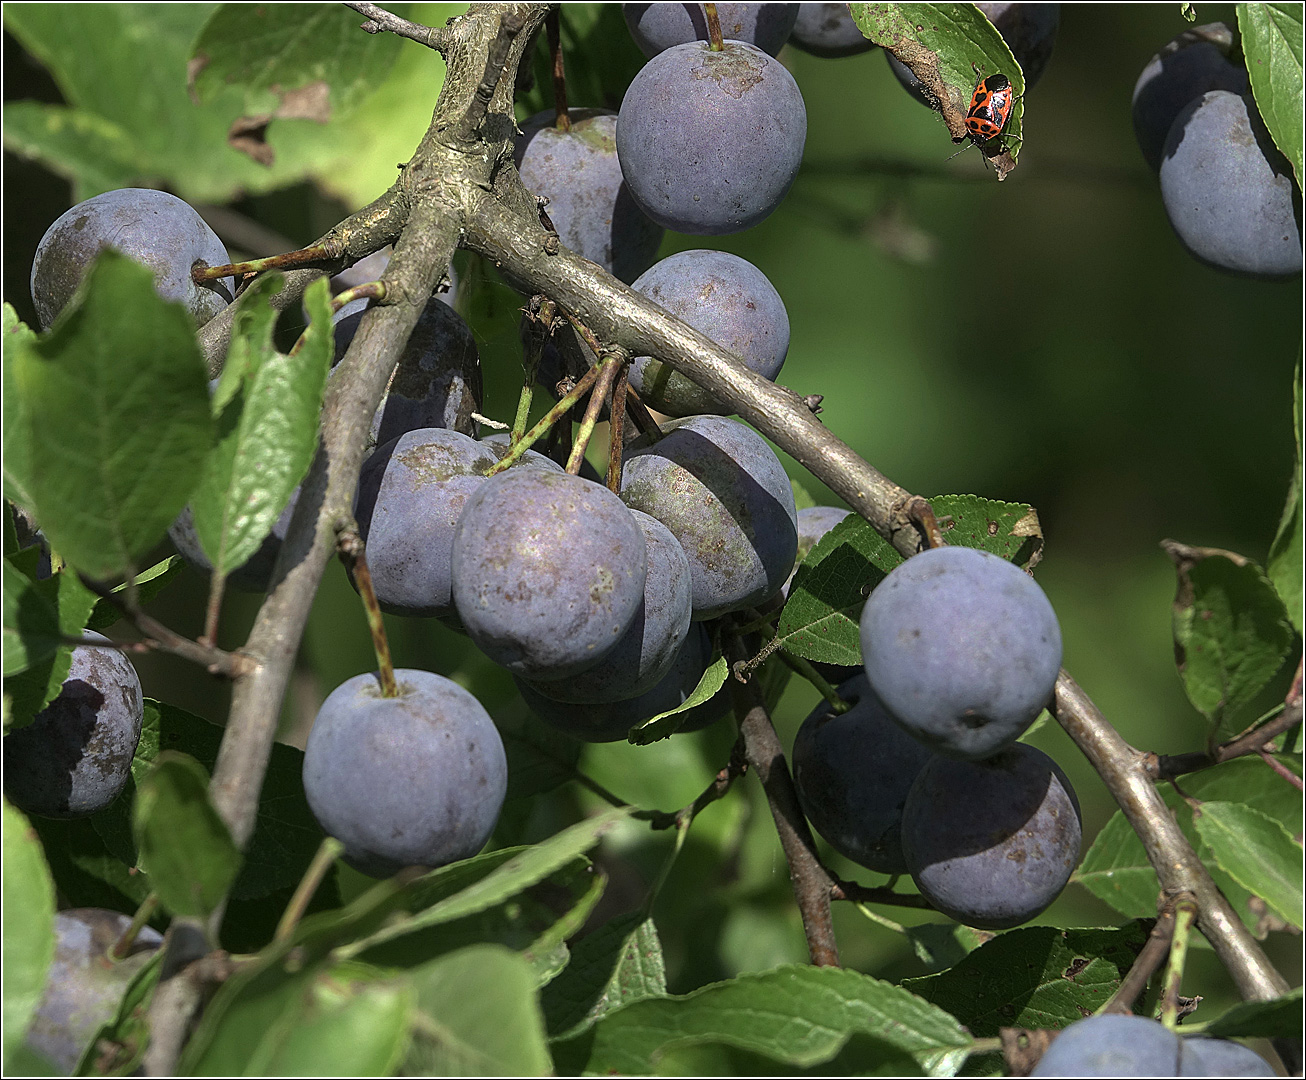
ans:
(378, 20)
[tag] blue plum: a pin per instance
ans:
(657, 27)
(724, 495)
(156, 229)
(853, 771)
(828, 30)
(548, 571)
(1204, 1056)
(992, 843)
(1228, 191)
(963, 648)
(731, 302)
(710, 142)
(589, 202)
(1112, 1045)
(75, 757)
(413, 780)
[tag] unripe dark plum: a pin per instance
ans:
(548, 571)
(651, 644)
(731, 302)
(153, 228)
(1202, 1055)
(1111, 1044)
(413, 780)
(1228, 191)
(657, 27)
(612, 720)
(963, 649)
(589, 203)
(992, 843)
(710, 142)
(85, 985)
(724, 495)
(1192, 64)
(828, 30)
(853, 771)
(411, 492)
(75, 757)
(437, 382)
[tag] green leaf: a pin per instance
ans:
(1286, 556)
(1115, 869)
(267, 431)
(286, 835)
(616, 964)
(149, 583)
(820, 621)
(1272, 44)
(34, 689)
(666, 724)
(540, 758)
(1257, 852)
(796, 1014)
(948, 47)
(118, 413)
(28, 914)
(128, 1032)
(17, 439)
(477, 1015)
(525, 868)
(1037, 977)
(31, 627)
(1280, 1018)
(1230, 632)
(292, 61)
(184, 845)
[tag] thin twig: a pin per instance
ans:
(811, 883)
(1149, 959)
(866, 894)
(353, 554)
(378, 19)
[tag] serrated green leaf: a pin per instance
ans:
(1286, 557)
(1257, 852)
(526, 868)
(33, 689)
(1115, 868)
(949, 47)
(1230, 630)
(118, 417)
(267, 433)
(796, 1014)
(286, 835)
(944, 945)
(1036, 977)
(184, 845)
(31, 627)
(478, 1015)
(290, 60)
(149, 583)
(17, 456)
(28, 915)
(1280, 1018)
(1272, 44)
(616, 964)
(666, 724)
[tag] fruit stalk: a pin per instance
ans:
(552, 26)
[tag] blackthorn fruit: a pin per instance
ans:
(1109, 1044)
(413, 780)
(156, 229)
(657, 27)
(548, 571)
(710, 142)
(731, 302)
(1204, 1056)
(991, 843)
(724, 495)
(963, 649)
(828, 30)
(75, 757)
(853, 771)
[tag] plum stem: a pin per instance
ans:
(716, 42)
(1185, 915)
(367, 290)
(614, 360)
(553, 27)
(353, 554)
(541, 325)
(1146, 963)
(617, 431)
(546, 422)
(808, 672)
(123, 946)
(327, 852)
(324, 251)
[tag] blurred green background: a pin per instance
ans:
(1044, 340)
